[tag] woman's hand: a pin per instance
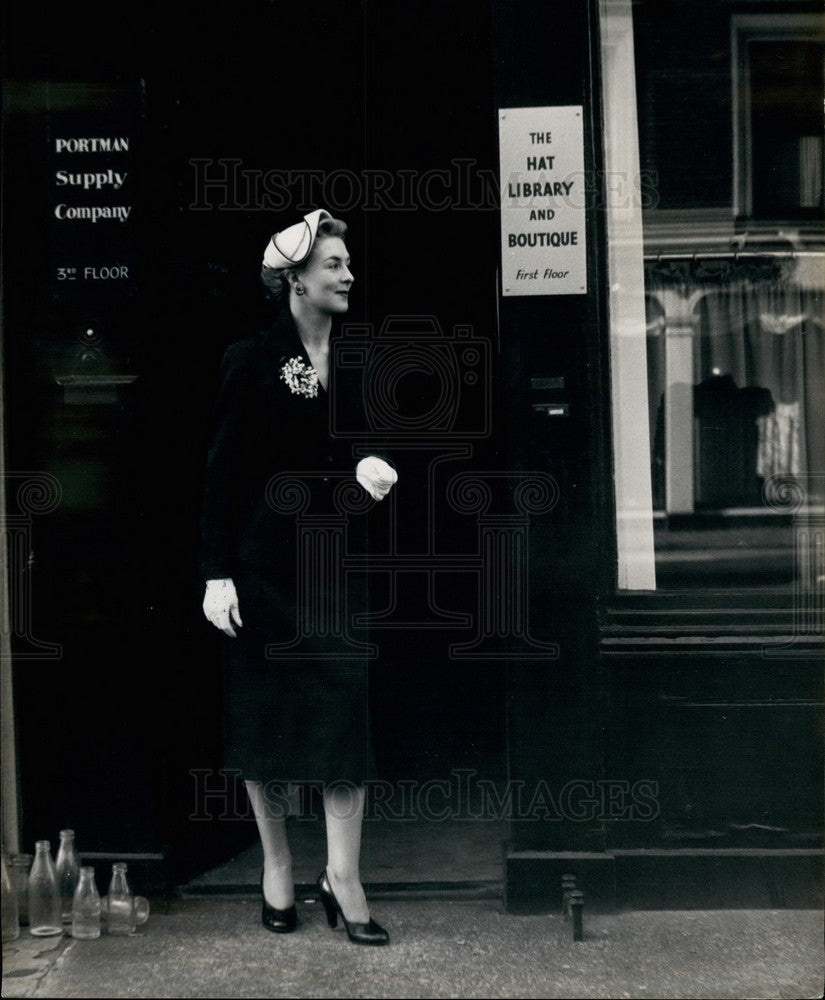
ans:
(220, 605)
(376, 476)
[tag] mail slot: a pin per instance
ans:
(552, 409)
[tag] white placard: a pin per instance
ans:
(541, 158)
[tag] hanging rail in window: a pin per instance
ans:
(733, 255)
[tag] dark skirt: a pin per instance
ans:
(296, 706)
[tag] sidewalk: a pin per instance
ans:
(470, 948)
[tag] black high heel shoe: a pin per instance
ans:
(277, 921)
(368, 933)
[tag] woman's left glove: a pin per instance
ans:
(376, 476)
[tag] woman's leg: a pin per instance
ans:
(344, 810)
(279, 890)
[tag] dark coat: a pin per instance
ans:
(264, 430)
(296, 693)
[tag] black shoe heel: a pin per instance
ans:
(330, 907)
(275, 920)
(368, 933)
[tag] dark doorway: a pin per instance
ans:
(240, 125)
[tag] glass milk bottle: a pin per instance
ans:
(44, 899)
(11, 925)
(121, 910)
(86, 907)
(68, 873)
(19, 874)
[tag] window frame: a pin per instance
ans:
(747, 28)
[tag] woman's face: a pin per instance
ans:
(326, 276)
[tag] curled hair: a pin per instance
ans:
(275, 279)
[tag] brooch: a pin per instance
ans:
(301, 378)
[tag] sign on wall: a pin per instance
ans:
(92, 178)
(541, 159)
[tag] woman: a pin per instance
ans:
(302, 718)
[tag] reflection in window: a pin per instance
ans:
(734, 281)
(766, 339)
(778, 77)
(735, 357)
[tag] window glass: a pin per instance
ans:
(727, 136)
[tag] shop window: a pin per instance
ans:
(718, 283)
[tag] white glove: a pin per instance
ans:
(376, 476)
(220, 605)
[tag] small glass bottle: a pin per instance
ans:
(86, 907)
(19, 874)
(44, 899)
(11, 925)
(68, 873)
(123, 911)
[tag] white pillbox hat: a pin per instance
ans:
(293, 245)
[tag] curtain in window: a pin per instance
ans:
(767, 337)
